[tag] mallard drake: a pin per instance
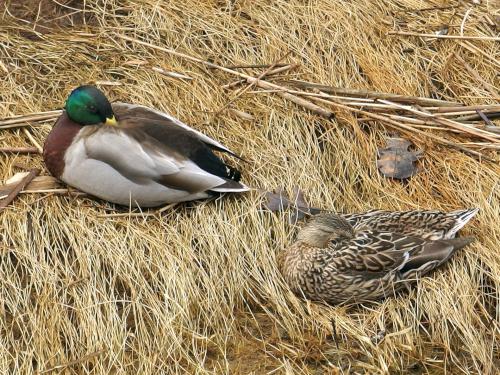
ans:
(134, 155)
(367, 256)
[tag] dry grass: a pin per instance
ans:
(196, 290)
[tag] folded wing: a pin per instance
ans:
(141, 158)
(373, 254)
(127, 111)
(431, 225)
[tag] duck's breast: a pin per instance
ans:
(59, 139)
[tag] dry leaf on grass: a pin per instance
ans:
(396, 161)
(278, 200)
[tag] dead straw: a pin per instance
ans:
(490, 88)
(440, 36)
(27, 120)
(372, 94)
(263, 84)
(196, 289)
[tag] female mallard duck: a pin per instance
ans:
(368, 256)
(133, 155)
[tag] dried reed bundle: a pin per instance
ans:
(89, 287)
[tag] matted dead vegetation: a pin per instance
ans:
(195, 289)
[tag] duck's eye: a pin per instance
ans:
(92, 108)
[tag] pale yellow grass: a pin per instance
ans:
(197, 290)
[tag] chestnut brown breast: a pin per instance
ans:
(60, 138)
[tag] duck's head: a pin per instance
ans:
(325, 227)
(86, 105)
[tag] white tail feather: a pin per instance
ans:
(225, 189)
(462, 217)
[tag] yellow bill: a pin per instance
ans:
(111, 121)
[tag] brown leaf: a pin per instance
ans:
(300, 206)
(278, 200)
(396, 161)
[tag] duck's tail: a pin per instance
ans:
(432, 255)
(459, 218)
(230, 186)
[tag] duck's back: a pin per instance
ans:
(427, 224)
(134, 112)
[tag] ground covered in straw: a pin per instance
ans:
(196, 289)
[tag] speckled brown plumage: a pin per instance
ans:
(368, 256)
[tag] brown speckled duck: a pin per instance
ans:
(368, 256)
(134, 155)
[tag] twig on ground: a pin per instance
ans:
(491, 89)
(33, 140)
(241, 114)
(485, 118)
(465, 108)
(464, 20)
(282, 69)
(490, 126)
(108, 83)
(3, 67)
(19, 150)
(140, 214)
(372, 94)
(244, 90)
(171, 74)
(447, 122)
(69, 192)
(409, 129)
(462, 37)
(475, 117)
(74, 362)
(481, 145)
(21, 166)
(26, 120)
(263, 84)
(233, 84)
(429, 9)
(17, 189)
(260, 66)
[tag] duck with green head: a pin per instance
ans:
(134, 155)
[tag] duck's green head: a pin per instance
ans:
(86, 105)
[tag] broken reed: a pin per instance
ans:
(409, 114)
